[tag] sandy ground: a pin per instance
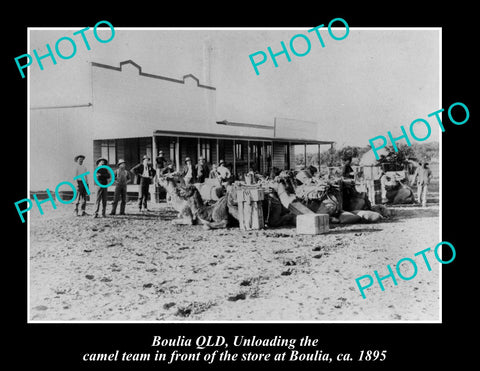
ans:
(142, 268)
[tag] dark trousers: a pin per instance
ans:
(101, 198)
(143, 192)
(120, 195)
(81, 195)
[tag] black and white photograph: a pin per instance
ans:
(242, 184)
(218, 187)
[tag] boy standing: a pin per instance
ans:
(122, 177)
(81, 190)
(103, 178)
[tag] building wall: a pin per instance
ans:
(129, 104)
(296, 129)
(57, 135)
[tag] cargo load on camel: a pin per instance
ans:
(334, 196)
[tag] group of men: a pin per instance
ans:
(146, 175)
(201, 171)
(422, 176)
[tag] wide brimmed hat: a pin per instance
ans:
(121, 161)
(221, 162)
(145, 157)
(75, 159)
(188, 159)
(100, 159)
(160, 152)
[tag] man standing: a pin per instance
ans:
(424, 174)
(160, 168)
(103, 178)
(81, 190)
(189, 172)
(145, 173)
(202, 170)
(122, 177)
(347, 170)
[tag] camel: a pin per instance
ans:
(211, 216)
(186, 199)
(396, 191)
(173, 183)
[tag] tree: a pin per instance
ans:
(395, 160)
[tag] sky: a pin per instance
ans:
(369, 83)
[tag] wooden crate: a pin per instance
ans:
(250, 211)
(247, 194)
(313, 224)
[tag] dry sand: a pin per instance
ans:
(142, 268)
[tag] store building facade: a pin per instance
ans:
(133, 113)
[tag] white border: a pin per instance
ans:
(235, 322)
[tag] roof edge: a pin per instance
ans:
(150, 75)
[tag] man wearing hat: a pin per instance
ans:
(424, 174)
(103, 178)
(161, 168)
(347, 170)
(160, 162)
(189, 172)
(145, 173)
(202, 170)
(81, 190)
(122, 177)
(169, 169)
(223, 172)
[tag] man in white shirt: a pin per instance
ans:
(423, 175)
(223, 172)
(81, 190)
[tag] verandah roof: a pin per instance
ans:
(237, 137)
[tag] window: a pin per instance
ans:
(268, 151)
(239, 151)
(205, 150)
(109, 151)
(253, 151)
(172, 151)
